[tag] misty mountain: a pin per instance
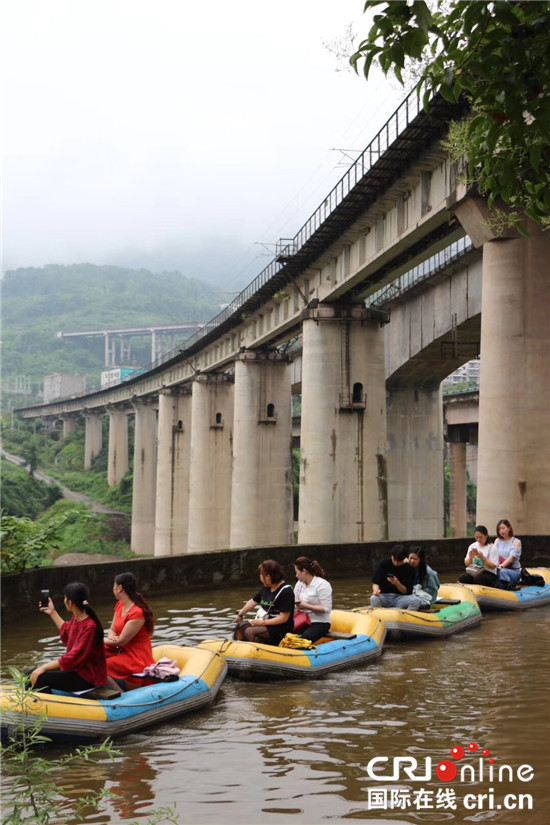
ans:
(39, 302)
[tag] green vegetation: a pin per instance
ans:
(88, 532)
(24, 495)
(39, 524)
(496, 55)
(27, 543)
(63, 459)
(34, 792)
(37, 303)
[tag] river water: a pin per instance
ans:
(297, 752)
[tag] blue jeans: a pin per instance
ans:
(396, 600)
(508, 575)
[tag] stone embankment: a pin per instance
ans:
(164, 575)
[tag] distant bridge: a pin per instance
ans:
(158, 347)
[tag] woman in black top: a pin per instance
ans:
(276, 597)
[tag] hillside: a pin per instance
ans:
(37, 303)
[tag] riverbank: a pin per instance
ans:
(165, 575)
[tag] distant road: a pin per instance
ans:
(70, 494)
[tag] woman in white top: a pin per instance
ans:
(313, 595)
(508, 548)
(483, 556)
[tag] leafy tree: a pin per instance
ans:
(24, 495)
(26, 543)
(496, 55)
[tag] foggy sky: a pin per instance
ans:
(172, 134)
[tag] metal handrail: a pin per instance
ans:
(421, 272)
(394, 126)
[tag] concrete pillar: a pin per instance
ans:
(261, 490)
(343, 486)
(117, 466)
(144, 487)
(70, 423)
(210, 470)
(94, 438)
(415, 455)
(514, 399)
(457, 483)
(174, 447)
(110, 354)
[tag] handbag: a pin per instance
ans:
(301, 621)
(423, 595)
(530, 579)
(261, 612)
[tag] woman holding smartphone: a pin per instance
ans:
(481, 560)
(82, 666)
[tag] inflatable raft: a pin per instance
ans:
(493, 598)
(354, 640)
(67, 717)
(456, 610)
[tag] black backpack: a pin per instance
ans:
(528, 579)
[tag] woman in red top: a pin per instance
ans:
(82, 667)
(128, 643)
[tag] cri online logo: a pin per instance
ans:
(448, 770)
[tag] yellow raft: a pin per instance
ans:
(457, 610)
(354, 639)
(67, 717)
(493, 598)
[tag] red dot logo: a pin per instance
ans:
(457, 752)
(446, 771)
(485, 752)
(472, 747)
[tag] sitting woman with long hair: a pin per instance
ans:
(82, 666)
(481, 560)
(128, 643)
(426, 580)
(313, 595)
(276, 598)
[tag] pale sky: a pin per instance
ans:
(160, 133)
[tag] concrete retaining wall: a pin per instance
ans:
(167, 575)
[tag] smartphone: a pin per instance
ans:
(44, 597)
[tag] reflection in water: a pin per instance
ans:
(297, 752)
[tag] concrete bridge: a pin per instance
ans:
(213, 426)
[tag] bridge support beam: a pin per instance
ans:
(174, 444)
(343, 486)
(457, 485)
(261, 490)
(514, 436)
(145, 464)
(117, 465)
(514, 396)
(70, 423)
(93, 440)
(210, 469)
(415, 463)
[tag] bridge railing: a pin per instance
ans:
(391, 130)
(427, 269)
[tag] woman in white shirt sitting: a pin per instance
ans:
(481, 560)
(313, 595)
